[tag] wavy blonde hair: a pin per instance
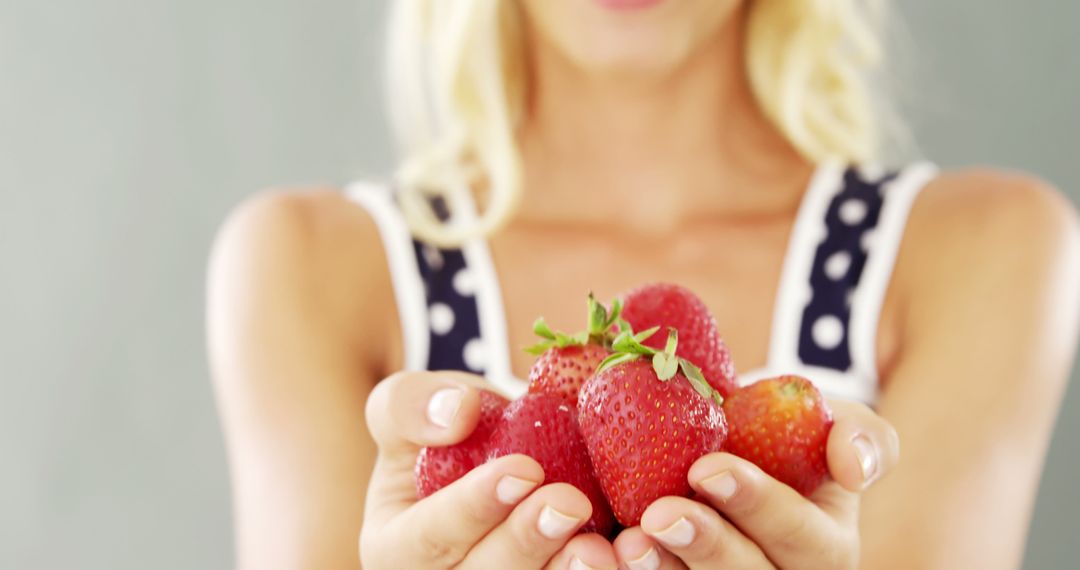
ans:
(457, 85)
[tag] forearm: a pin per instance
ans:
(300, 506)
(963, 493)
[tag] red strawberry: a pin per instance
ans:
(562, 371)
(781, 425)
(670, 306)
(645, 422)
(437, 467)
(545, 427)
(567, 360)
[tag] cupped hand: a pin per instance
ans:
(744, 519)
(499, 515)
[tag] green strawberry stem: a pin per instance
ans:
(600, 323)
(628, 347)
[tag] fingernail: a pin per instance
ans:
(577, 564)
(512, 489)
(681, 533)
(723, 486)
(444, 405)
(554, 524)
(867, 455)
(648, 561)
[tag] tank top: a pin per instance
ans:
(836, 271)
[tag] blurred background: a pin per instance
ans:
(127, 131)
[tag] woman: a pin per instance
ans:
(555, 147)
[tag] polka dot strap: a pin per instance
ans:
(837, 270)
(839, 260)
(449, 301)
(452, 310)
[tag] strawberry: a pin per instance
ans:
(781, 425)
(545, 427)
(645, 422)
(437, 467)
(562, 371)
(566, 361)
(670, 306)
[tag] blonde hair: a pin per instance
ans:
(457, 84)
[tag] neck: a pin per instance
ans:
(694, 136)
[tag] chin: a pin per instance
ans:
(648, 37)
(646, 52)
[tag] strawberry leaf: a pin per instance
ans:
(645, 334)
(598, 317)
(563, 340)
(627, 342)
(672, 342)
(616, 310)
(615, 360)
(540, 347)
(554, 338)
(665, 366)
(542, 330)
(697, 380)
(601, 321)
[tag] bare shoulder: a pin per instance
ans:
(987, 220)
(302, 220)
(304, 251)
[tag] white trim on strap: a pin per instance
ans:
(498, 369)
(404, 273)
(793, 292)
(882, 247)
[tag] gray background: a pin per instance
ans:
(128, 129)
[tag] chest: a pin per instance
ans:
(736, 270)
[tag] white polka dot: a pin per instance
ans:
(836, 267)
(432, 256)
(475, 355)
(852, 211)
(867, 240)
(828, 331)
(464, 283)
(442, 318)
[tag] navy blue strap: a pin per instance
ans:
(837, 268)
(452, 309)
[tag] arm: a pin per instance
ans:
(284, 316)
(300, 321)
(992, 266)
(992, 273)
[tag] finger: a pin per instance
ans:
(637, 551)
(535, 531)
(420, 537)
(789, 528)
(585, 552)
(862, 446)
(409, 410)
(405, 412)
(699, 536)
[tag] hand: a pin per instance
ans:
(761, 522)
(496, 516)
